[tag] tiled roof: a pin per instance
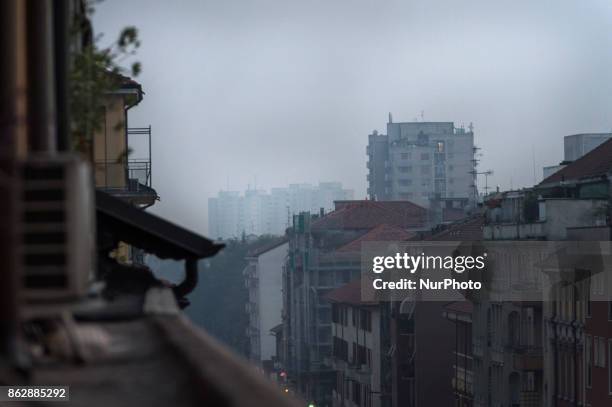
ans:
(266, 247)
(370, 214)
(381, 233)
(348, 294)
(595, 163)
(468, 230)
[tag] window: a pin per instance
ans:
(366, 320)
(324, 315)
(589, 361)
(609, 367)
(405, 156)
(338, 314)
(340, 349)
(405, 182)
(440, 146)
(600, 351)
(405, 169)
(530, 382)
(424, 156)
(326, 278)
(357, 393)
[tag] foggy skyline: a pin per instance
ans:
(287, 92)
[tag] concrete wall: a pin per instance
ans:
(110, 144)
(269, 272)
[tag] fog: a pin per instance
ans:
(266, 93)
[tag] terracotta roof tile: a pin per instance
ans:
(468, 230)
(381, 233)
(370, 214)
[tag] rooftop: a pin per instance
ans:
(370, 214)
(382, 233)
(595, 163)
(468, 230)
(348, 294)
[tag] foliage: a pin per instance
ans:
(218, 302)
(530, 208)
(96, 71)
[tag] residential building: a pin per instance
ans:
(563, 339)
(324, 255)
(257, 212)
(122, 154)
(263, 279)
(460, 313)
(420, 161)
(357, 355)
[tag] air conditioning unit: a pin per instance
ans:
(57, 227)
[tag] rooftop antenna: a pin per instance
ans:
(471, 127)
(390, 118)
(422, 115)
(534, 164)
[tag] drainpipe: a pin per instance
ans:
(40, 77)
(11, 127)
(61, 16)
(191, 279)
(574, 330)
(556, 352)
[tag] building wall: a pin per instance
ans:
(369, 378)
(577, 145)
(264, 281)
(269, 272)
(110, 144)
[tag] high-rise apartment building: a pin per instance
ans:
(257, 212)
(421, 161)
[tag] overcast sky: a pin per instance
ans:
(277, 92)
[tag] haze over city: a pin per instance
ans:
(267, 93)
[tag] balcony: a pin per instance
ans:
(126, 177)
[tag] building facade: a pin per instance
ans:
(324, 254)
(421, 161)
(356, 355)
(263, 278)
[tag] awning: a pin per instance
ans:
(149, 232)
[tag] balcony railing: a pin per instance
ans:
(131, 175)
